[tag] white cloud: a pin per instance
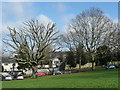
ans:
(44, 19)
(67, 18)
(60, 8)
(14, 14)
(115, 20)
(64, 30)
(12, 25)
(17, 10)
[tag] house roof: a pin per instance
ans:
(8, 60)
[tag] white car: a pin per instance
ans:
(8, 77)
(57, 72)
(111, 67)
(20, 77)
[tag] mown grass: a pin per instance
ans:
(93, 79)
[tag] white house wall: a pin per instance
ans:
(9, 66)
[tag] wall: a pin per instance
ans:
(87, 65)
(9, 66)
(113, 63)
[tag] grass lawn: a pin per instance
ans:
(93, 79)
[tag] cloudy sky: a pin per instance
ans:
(14, 13)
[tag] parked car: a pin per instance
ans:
(5, 76)
(20, 77)
(40, 74)
(57, 72)
(117, 66)
(1, 77)
(8, 77)
(110, 67)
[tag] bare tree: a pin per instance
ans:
(69, 41)
(32, 43)
(90, 29)
(112, 40)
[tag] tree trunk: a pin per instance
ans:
(93, 61)
(80, 63)
(50, 66)
(13, 65)
(13, 68)
(53, 71)
(34, 71)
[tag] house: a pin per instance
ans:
(56, 58)
(55, 62)
(9, 65)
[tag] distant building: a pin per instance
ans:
(55, 62)
(60, 54)
(9, 65)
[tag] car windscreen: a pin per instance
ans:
(8, 76)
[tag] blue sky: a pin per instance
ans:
(14, 13)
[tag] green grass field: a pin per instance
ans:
(93, 79)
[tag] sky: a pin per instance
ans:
(61, 13)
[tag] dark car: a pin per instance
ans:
(117, 66)
(111, 67)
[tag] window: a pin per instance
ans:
(6, 64)
(56, 62)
